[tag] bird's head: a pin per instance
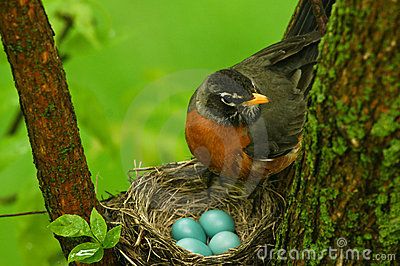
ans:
(229, 98)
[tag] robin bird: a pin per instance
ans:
(247, 120)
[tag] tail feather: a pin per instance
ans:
(304, 21)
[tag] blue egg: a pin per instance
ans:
(223, 241)
(188, 228)
(195, 246)
(215, 221)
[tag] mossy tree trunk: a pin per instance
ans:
(346, 191)
(62, 171)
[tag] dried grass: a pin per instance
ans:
(161, 195)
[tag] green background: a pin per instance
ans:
(131, 68)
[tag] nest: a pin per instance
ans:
(159, 196)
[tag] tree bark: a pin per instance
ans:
(346, 190)
(62, 171)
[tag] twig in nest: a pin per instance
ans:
(158, 198)
(126, 257)
(134, 171)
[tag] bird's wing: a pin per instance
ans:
(280, 125)
(280, 51)
(283, 73)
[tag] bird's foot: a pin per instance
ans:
(205, 174)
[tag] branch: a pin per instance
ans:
(22, 214)
(62, 171)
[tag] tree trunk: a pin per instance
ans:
(346, 190)
(62, 170)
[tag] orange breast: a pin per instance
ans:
(218, 147)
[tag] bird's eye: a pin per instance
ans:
(227, 99)
(231, 99)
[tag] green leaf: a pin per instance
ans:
(84, 251)
(96, 257)
(70, 225)
(112, 237)
(98, 225)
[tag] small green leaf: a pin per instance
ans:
(83, 251)
(112, 237)
(96, 257)
(69, 225)
(98, 225)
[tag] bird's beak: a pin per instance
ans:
(258, 99)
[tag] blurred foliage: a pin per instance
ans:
(131, 68)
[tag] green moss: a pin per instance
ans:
(353, 219)
(327, 159)
(386, 123)
(350, 119)
(15, 48)
(388, 219)
(49, 110)
(327, 137)
(381, 199)
(387, 208)
(365, 159)
(391, 154)
(367, 236)
(312, 137)
(327, 226)
(76, 189)
(62, 179)
(367, 92)
(339, 146)
(318, 92)
(66, 150)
